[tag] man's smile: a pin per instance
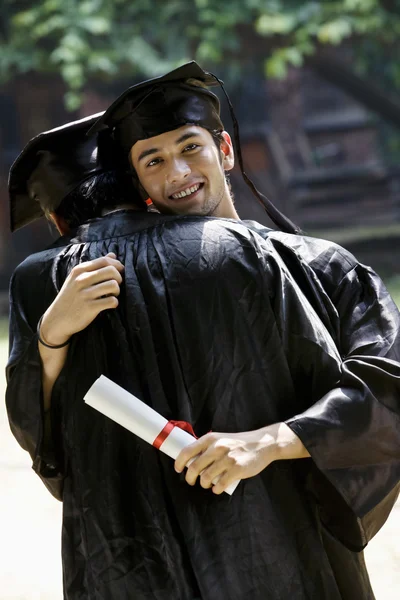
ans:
(188, 192)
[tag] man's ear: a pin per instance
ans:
(60, 223)
(228, 158)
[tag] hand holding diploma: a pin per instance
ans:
(124, 408)
(219, 459)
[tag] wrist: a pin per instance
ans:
(269, 444)
(290, 445)
(51, 333)
(286, 445)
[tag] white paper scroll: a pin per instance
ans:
(125, 409)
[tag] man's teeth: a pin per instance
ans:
(186, 192)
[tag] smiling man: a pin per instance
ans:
(170, 131)
(183, 171)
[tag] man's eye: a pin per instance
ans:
(190, 147)
(153, 162)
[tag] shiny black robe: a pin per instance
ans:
(229, 326)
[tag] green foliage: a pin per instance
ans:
(3, 334)
(393, 285)
(103, 39)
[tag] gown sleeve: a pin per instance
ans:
(353, 431)
(30, 294)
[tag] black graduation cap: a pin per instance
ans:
(51, 166)
(161, 104)
(165, 103)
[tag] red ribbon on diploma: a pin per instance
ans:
(164, 433)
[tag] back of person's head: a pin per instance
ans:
(98, 195)
(67, 174)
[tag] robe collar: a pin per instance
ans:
(120, 223)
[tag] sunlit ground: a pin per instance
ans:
(30, 522)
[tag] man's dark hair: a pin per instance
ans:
(105, 191)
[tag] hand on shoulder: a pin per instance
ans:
(90, 288)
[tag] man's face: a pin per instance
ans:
(183, 171)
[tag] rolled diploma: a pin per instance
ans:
(125, 409)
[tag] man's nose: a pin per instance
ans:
(178, 171)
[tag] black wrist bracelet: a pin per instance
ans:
(44, 343)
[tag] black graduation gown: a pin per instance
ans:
(213, 328)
